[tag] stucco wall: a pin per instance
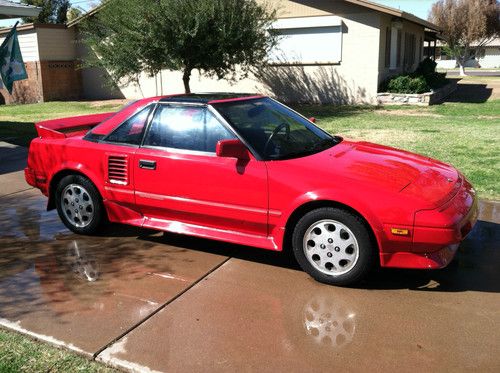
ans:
(95, 81)
(491, 58)
(355, 79)
(56, 44)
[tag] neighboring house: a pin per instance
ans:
(49, 55)
(486, 56)
(331, 51)
(8, 10)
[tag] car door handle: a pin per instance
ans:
(147, 165)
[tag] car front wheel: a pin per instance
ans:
(79, 204)
(333, 246)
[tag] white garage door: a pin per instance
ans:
(308, 40)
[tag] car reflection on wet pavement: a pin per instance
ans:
(141, 299)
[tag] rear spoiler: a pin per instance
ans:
(72, 126)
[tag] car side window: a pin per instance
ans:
(186, 127)
(131, 131)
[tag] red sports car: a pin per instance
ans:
(249, 170)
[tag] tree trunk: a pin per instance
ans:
(185, 78)
(462, 68)
(462, 59)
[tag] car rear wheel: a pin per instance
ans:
(79, 204)
(333, 246)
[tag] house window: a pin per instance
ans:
(409, 51)
(399, 48)
(420, 46)
(308, 40)
(388, 33)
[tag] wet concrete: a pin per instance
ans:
(12, 157)
(12, 164)
(83, 292)
(175, 303)
(250, 316)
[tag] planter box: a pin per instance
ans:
(423, 99)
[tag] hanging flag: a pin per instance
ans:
(11, 60)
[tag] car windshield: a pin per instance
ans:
(273, 130)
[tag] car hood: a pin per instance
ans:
(382, 167)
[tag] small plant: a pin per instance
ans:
(407, 84)
(426, 66)
(436, 80)
(422, 80)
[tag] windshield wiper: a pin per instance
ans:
(312, 149)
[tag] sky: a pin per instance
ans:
(420, 8)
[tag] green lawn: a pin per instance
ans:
(22, 354)
(16, 121)
(465, 135)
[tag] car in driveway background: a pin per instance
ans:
(248, 170)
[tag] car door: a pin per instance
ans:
(118, 149)
(179, 178)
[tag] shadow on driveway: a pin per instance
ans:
(475, 267)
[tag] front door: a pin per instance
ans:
(178, 177)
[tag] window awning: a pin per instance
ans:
(9, 9)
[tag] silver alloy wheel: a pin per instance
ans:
(331, 247)
(77, 205)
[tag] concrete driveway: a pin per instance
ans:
(146, 301)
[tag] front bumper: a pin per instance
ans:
(437, 233)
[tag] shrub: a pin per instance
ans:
(436, 80)
(407, 84)
(422, 80)
(426, 67)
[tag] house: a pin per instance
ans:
(49, 54)
(331, 51)
(486, 56)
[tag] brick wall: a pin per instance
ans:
(25, 91)
(61, 80)
(47, 81)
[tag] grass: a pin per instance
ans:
(16, 121)
(22, 354)
(463, 134)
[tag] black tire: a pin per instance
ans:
(91, 194)
(364, 255)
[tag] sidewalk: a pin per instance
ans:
(12, 164)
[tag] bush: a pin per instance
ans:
(422, 80)
(436, 80)
(407, 84)
(426, 67)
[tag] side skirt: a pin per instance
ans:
(211, 233)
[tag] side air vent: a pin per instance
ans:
(118, 169)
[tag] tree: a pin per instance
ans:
(53, 11)
(221, 38)
(466, 24)
(73, 13)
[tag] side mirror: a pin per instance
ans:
(231, 149)
(312, 119)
